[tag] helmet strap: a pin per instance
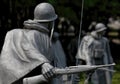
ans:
(52, 30)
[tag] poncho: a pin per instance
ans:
(23, 50)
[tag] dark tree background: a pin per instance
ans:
(14, 12)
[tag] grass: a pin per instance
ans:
(116, 75)
(115, 79)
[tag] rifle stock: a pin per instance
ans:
(67, 70)
(34, 80)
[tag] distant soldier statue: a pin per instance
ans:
(59, 58)
(27, 51)
(94, 50)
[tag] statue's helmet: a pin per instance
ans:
(100, 27)
(44, 12)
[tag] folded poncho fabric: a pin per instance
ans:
(24, 50)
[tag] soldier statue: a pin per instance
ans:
(27, 51)
(94, 50)
(59, 58)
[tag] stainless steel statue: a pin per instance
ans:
(28, 48)
(94, 50)
(59, 59)
(26, 56)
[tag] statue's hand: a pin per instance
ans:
(47, 70)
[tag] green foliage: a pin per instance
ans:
(98, 10)
(67, 12)
(52, 1)
(24, 3)
(89, 3)
(116, 75)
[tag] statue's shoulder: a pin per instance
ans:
(105, 39)
(13, 31)
(88, 38)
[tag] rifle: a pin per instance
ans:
(68, 70)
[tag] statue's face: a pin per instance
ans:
(102, 32)
(50, 25)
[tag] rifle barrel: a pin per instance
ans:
(79, 68)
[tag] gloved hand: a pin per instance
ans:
(47, 70)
